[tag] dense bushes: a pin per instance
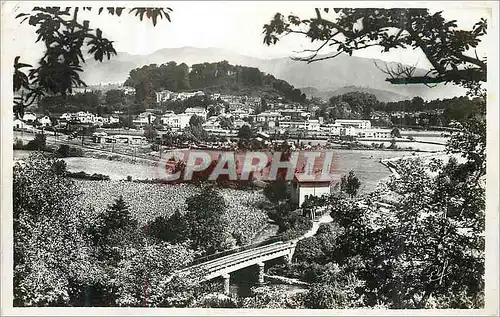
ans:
(203, 225)
(273, 297)
(86, 176)
(217, 300)
(173, 229)
(66, 255)
(18, 144)
(65, 150)
(291, 223)
(38, 143)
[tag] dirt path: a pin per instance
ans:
(326, 218)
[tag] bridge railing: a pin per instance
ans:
(245, 257)
(235, 250)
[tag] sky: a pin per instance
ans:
(235, 26)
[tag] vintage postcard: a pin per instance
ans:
(249, 158)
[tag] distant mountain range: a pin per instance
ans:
(326, 78)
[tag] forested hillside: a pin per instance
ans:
(221, 77)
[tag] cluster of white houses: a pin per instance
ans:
(232, 113)
(84, 117)
(87, 117)
(233, 100)
(279, 120)
(30, 119)
(167, 95)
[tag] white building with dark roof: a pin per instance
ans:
(29, 117)
(358, 124)
(45, 121)
(199, 111)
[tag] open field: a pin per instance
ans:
(365, 163)
(148, 201)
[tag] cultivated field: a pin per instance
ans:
(148, 201)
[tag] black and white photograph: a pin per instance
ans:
(249, 158)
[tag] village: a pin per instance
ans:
(223, 118)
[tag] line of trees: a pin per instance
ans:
(361, 105)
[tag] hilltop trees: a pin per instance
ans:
(359, 102)
(150, 78)
(173, 77)
(350, 105)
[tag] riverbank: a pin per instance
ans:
(391, 163)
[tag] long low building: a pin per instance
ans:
(103, 137)
(375, 133)
(358, 124)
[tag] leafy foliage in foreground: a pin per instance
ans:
(65, 37)
(446, 47)
(65, 255)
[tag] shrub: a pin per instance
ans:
(324, 296)
(18, 144)
(65, 150)
(59, 167)
(173, 229)
(217, 300)
(38, 143)
(273, 297)
(309, 250)
(93, 177)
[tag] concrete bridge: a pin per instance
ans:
(223, 266)
(225, 263)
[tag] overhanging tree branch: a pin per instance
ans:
(443, 45)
